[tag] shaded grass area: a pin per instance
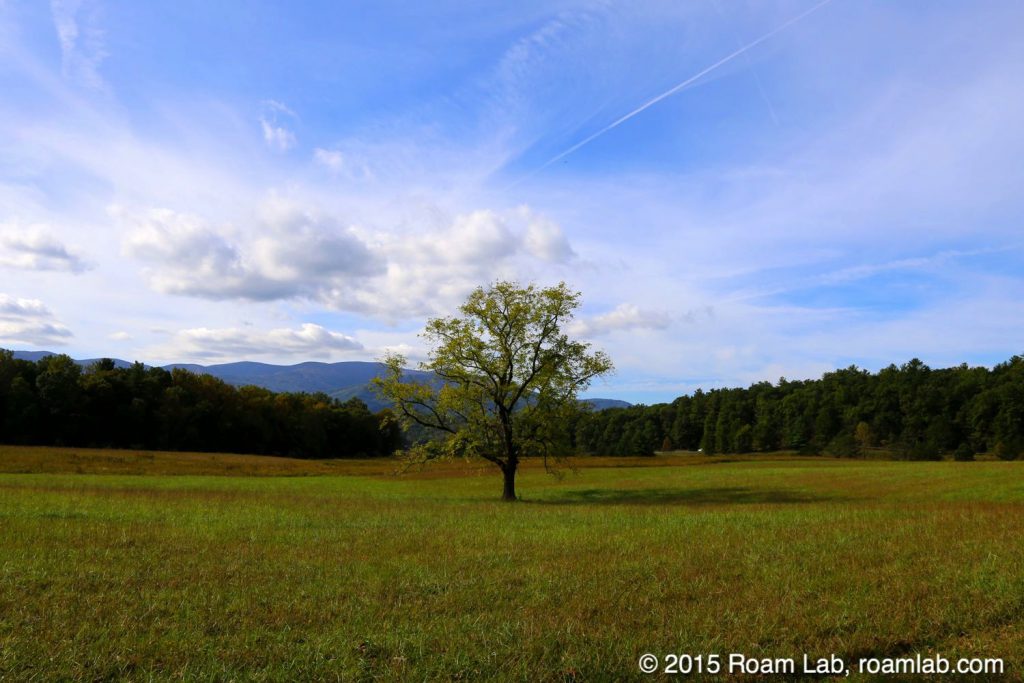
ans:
(366, 576)
(719, 495)
(46, 459)
(58, 460)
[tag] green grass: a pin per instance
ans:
(361, 575)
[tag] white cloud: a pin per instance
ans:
(279, 107)
(11, 307)
(81, 41)
(624, 317)
(480, 236)
(430, 270)
(331, 158)
(341, 164)
(545, 239)
(29, 321)
(937, 260)
(292, 253)
(308, 341)
(276, 136)
(287, 254)
(119, 336)
(35, 248)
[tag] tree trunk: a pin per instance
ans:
(509, 492)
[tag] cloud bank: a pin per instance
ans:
(291, 253)
(29, 321)
(308, 341)
(35, 248)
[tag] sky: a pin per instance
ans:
(741, 190)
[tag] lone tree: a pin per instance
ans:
(507, 378)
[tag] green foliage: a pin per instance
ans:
(1006, 450)
(911, 410)
(508, 380)
(963, 453)
(922, 449)
(55, 402)
(843, 446)
(743, 441)
(863, 435)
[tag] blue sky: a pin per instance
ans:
(210, 182)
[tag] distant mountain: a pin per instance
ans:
(32, 355)
(84, 362)
(606, 403)
(344, 380)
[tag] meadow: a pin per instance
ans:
(133, 565)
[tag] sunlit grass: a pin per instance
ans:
(362, 575)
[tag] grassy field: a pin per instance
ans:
(148, 565)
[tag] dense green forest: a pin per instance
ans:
(912, 411)
(56, 402)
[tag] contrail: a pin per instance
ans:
(673, 90)
(753, 72)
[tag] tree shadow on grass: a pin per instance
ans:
(729, 495)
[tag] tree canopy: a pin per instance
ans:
(56, 402)
(508, 377)
(909, 411)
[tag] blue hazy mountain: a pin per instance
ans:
(606, 403)
(84, 362)
(342, 380)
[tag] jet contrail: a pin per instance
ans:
(689, 81)
(753, 72)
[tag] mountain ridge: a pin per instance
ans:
(342, 380)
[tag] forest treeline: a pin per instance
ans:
(56, 402)
(911, 411)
